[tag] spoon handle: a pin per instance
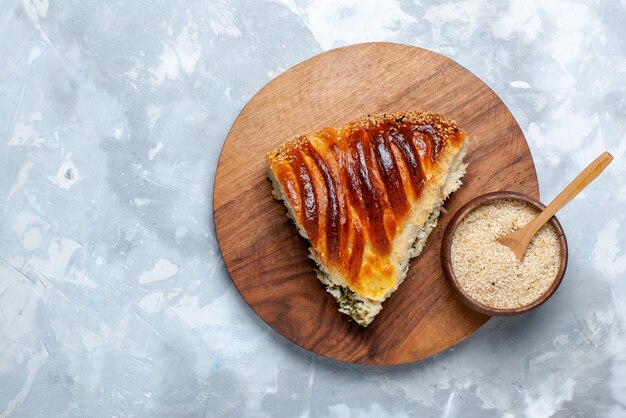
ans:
(581, 181)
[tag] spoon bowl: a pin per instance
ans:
(446, 254)
(518, 240)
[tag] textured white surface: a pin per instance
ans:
(114, 300)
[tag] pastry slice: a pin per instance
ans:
(366, 196)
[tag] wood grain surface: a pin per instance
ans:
(267, 258)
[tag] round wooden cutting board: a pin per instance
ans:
(267, 258)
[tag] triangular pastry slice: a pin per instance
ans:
(367, 196)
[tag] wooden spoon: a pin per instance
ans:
(518, 240)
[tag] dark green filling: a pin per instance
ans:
(349, 302)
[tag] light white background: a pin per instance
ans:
(114, 300)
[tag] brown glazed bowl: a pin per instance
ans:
(446, 260)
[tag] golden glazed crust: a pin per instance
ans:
(351, 190)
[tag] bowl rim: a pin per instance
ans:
(446, 259)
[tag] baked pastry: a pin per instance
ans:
(367, 196)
